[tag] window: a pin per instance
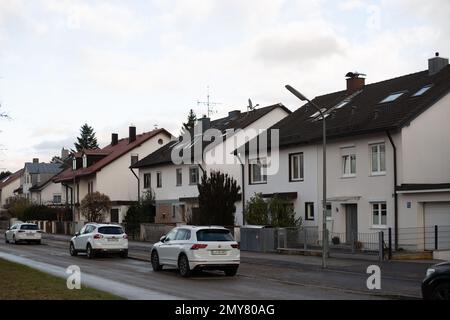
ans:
(174, 211)
(159, 180)
(296, 167)
(348, 162)
(257, 171)
(379, 214)
(214, 235)
(193, 175)
(378, 158)
(147, 180)
(74, 164)
(84, 161)
(56, 198)
(342, 104)
(183, 234)
(309, 211)
(318, 113)
(328, 211)
(422, 90)
(392, 97)
(134, 158)
(38, 178)
(179, 178)
(160, 141)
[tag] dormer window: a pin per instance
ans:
(74, 163)
(392, 97)
(84, 161)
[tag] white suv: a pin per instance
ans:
(196, 248)
(23, 232)
(94, 238)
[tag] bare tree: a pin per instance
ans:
(94, 206)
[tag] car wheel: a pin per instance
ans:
(14, 239)
(90, 252)
(124, 254)
(155, 261)
(441, 292)
(183, 266)
(231, 272)
(72, 250)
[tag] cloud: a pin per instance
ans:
(54, 145)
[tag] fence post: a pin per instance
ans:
(381, 245)
(352, 235)
(390, 243)
(305, 246)
(436, 237)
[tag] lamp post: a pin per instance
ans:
(324, 158)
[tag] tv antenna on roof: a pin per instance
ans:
(208, 104)
(155, 126)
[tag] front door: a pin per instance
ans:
(351, 222)
(115, 215)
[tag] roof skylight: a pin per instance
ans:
(343, 103)
(422, 90)
(392, 97)
(318, 113)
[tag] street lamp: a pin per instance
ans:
(324, 147)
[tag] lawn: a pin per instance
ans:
(21, 282)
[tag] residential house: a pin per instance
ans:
(107, 171)
(388, 155)
(35, 174)
(8, 185)
(175, 185)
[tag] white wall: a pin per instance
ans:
(426, 146)
(8, 191)
(46, 194)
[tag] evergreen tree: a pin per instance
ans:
(218, 194)
(5, 174)
(87, 139)
(191, 121)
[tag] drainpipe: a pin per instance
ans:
(71, 198)
(395, 190)
(138, 184)
(243, 187)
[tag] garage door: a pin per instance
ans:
(438, 214)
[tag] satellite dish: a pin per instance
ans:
(250, 105)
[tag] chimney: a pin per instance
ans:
(206, 123)
(64, 153)
(354, 82)
(234, 114)
(436, 64)
(35, 160)
(132, 136)
(114, 139)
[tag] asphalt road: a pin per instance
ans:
(259, 277)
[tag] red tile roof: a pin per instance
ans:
(112, 153)
(13, 177)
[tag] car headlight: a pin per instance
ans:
(430, 271)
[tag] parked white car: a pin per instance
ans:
(94, 238)
(192, 248)
(23, 232)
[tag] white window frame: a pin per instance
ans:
(158, 179)
(192, 182)
(296, 158)
(74, 164)
(376, 207)
(348, 154)
(261, 162)
(309, 214)
(378, 159)
(179, 170)
(84, 161)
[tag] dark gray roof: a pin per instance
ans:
(42, 167)
(241, 121)
(364, 113)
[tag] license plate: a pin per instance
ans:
(113, 239)
(30, 234)
(218, 252)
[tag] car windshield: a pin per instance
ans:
(214, 235)
(110, 230)
(29, 227)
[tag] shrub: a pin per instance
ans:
(256, 210)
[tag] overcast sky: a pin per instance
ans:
(115, 63)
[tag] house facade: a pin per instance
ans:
(8, 185)
(387, 155)
(107, 171)
(35, 174)
(175, 186)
